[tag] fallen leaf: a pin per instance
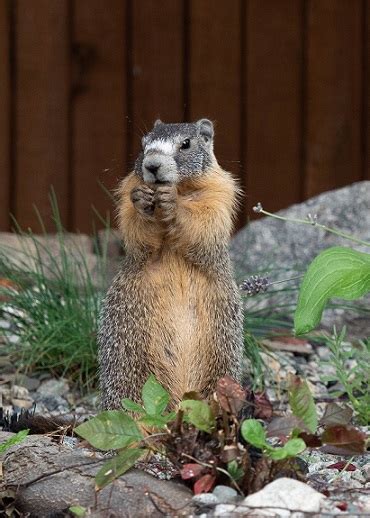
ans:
(342, 506)
(191, 471)
(335, 414)
(204, 484)
(230, 395)
(311, 440)
(347, 439)
(263, 407)
(283, 426)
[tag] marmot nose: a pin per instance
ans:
(152, 165)
(152, 168)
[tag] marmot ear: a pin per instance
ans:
(206, 128)
(158, 121)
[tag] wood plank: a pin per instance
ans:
(157, 66)
(215, 74)
(99, 106)
(42, 92)
(366, 92)
(334, 89)
(273, 64)
(5, 102)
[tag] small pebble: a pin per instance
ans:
(205, 500)
(225, 493)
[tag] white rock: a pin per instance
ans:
(289, 494)
(18, 392)
(224, 509)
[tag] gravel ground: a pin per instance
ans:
(348, 491)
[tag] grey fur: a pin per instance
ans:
(131, 304)
(176, 164)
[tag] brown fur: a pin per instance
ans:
(187, 329)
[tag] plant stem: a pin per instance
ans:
(315, 224)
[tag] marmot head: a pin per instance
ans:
(176, 152)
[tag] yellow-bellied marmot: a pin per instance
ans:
(174, 309)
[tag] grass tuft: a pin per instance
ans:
(52, 303)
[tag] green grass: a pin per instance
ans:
(53, 308)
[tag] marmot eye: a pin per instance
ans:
(185, 144)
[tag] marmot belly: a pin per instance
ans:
(179, 324)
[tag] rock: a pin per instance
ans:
(224, 510)
(284, 244)
(225, 493)
(205, 500)
(22, 403)
(283, 248)
(19, 392)
(53, 387)
(111, 242)
(366, 472)
(287, 493)
(25, 381)
(50, 478)
(55, 404)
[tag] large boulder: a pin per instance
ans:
(283, 249)
(45, 479)
(271, 244)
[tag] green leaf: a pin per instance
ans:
(335, 272)
(199, 414)
(131, 406)
(159, 421)
(16, 439)
(235, 471)
(254, 433)
(290, 449)
(155, 397)
(110, 430)
(302, 403)
(78, 511)
(117, 466)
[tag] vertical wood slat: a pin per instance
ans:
(99, 106)
(5, 114)
(157, 89)
(42, 90)
(333, 94)
(214, 70)
(274, 102)
(366, 91)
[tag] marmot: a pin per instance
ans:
(174, 309)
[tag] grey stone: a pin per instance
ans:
(366, 472)
(54, 387)
(270, 242)
(27, 382)
(225, 493)
(51, 403)
(50, 478)
(282, 249)
(205, 500)
(287, 494)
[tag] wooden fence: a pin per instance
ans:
(80, 80)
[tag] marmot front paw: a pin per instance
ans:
(165, 200)
(143, 199)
